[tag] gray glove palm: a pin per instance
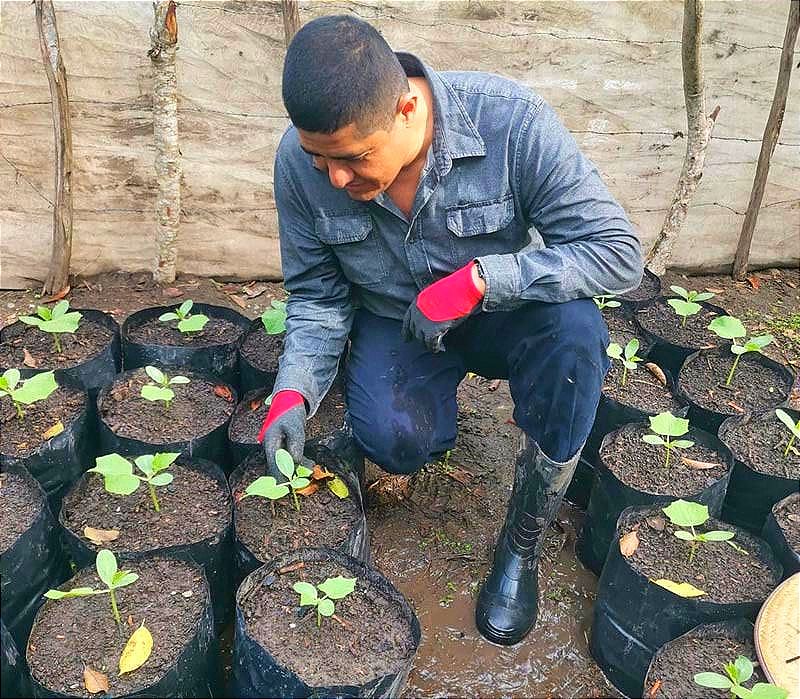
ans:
(287, 431)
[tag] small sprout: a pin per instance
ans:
(627, 356)
(297, 479)
(666, 426)
(331, 589)
(736, 674)
(55, 321)
(160, 390)
(106, 564)
(274, 319)
(730, 328)
(187, 322)
(32, 390)
(794, 428)
(690, 515)
(119, 478)
(688, 303)
(606, 301)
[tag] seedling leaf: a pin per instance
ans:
(713, 680)
(74, 592)
(284, 462)
(744, 667)
(124, 578)
(717, 536)
(106, 564)
(653, 439)
(164, 317)
(36, 388)
(727, 327)
(162, 479)
(155, 373)
(185, 307)
(193, 323)
(686, 514)
(155, 393)
(666, 424)
(338, 587)
(137, 650)
(767, 691)
(326, 607)
(266, 487)
(307, 592)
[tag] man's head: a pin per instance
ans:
(350, 100)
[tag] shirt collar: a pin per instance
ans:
(454, 133)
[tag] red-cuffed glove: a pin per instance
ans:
(285, 424)
(442, 306)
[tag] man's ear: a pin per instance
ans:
(407, 107)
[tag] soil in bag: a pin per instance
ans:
(170, 598)
(648, 290)
(706, 648)
(622, 328)
(258, 357)
(782, 532)
(366, 649)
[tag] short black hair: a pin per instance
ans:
(339, 70)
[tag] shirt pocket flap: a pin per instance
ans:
(345, 228)
(477, 219)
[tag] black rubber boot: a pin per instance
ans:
(508, 601)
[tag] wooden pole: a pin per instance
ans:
(164, 40)
(771, 133)
(699, 128)
(58, 273)
(291, 19)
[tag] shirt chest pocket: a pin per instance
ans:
(481, 218)
(353, 240)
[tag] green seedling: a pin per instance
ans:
(794, 429)
(331, 589)
(187, 322)
(690, 515)
(736, 674)
(688, 303)
(160, 389)
(730, 328)
(56, 321)
(32, 390)
(119, 478)
(627, 356)
(606, 301)
(268, 487)
(274, 319)
(666, 427)
(106, 564)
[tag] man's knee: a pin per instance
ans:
(394, 446)
(577, 328)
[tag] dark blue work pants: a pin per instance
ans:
(401, 398)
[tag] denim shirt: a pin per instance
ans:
(504, 183)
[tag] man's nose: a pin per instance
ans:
(340, 175)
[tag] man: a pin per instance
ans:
(406, 199)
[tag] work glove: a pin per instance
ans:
(440, 307)
(284, 428)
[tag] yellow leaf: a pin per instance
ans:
(338, 488)
(683, 589)
(100, 536)
(470, 375)
(629, 543)
(136, 651)
(94, 681)
(53, 431)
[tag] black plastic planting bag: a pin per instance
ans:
(219, 360)
(610, 496)
(709, 420)
(215, 553)
(239, 451)
(751, 494)
(30, 567)
(194, 673)
(634, 617)
(13, 674)
(788, 557)
(580, 487)
(250, 376)
(212, 446)
(638, 298)
(60, 460)
(256, 673)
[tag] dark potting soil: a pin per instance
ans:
(194, 507)
(641, 465)
(324, 519)
(85, 343)
(753, 388)
(621, 327)
(642, 390)
(660, 319)
(373, 638)
(788, 518)
(69, 635)
(760, 444)
(649, 288)
(262, 349)
(196, 410)
(217, 331)
(249, 416)
(20, 503)
(20, 438)
(676, 666)
(726, 575)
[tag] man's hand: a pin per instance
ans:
(442, 306)
(284, 427)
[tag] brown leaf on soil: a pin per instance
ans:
(699, 465)
(657, 523)
(100, 536)
(737, 408)
(653, 691)
(56, 297)
(310, 489)
(291, 567)
(656, 371)
(715, 290)
(493, 385)
(94, 680)
(223, 392)
(28, 359)
(461, 475)
(253, 291)
(754, 282)
(172, 292)
(320, 473)
(130, 620)
(53, 431)
(237, 300)
(256, 403)
(629, 543)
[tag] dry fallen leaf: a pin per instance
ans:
(256, 290)
(28, 359)
(714, 290)
(94, 680)
(172, 292)
(53, 431)
(100, 536)
(299, 565)
(629, 543)
(136, 651)
(754, 281)
(237, 300)
(656, 371)
(320, 473)
(657, 523)
(461, 475)
(653, 691)
(223, 392)
(56, 297)
(699, 465)
(256, 403)
(310, 489)
(737, 408)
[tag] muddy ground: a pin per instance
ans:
(434, 536)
